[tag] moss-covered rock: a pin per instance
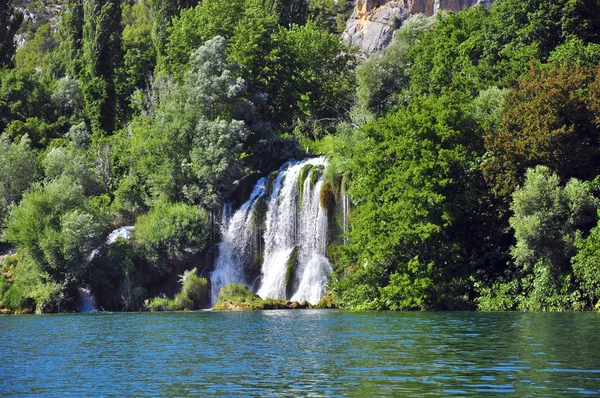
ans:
(345, 183)
(326, 302)
(259, 214)
(243, 188)
(253, 266)
(234, 292)
(327, 196)
(271, 181)
(302, 176)
(237, 297)
(290, 274)
(315, 174)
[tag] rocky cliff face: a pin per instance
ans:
(373, 23)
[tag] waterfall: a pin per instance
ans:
(87, 301)
(314, 264)
(293, 234)
(237, 238)
(119, 233)
(345, 211)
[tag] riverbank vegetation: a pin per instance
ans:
(469, 150)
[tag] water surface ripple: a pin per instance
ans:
(301, 353)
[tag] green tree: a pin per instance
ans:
(450, 56)
(26, 95)
(586, 266)
(139, 53)
(305, 72)
(17, 171)
(576, 52)
(162, 235)
(320, 76)
(195, 26)
(474, 49)
(32, 54)
(66, 59)
(101, 58)
(547, 217)
(162, 13)
(383, 77)
(289, 12)
(547, 220)
(549, 120)
(423, 218)
(190, 143)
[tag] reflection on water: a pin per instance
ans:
(319, 353)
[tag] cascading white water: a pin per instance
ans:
(314, 265)
(345, 212)
(237, 237)
(119, 233)
(87, 301)
(290, 226)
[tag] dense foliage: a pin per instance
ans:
(469, 150)
(448, 210)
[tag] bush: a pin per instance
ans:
(501, 296)
(161, 234)
(235, 292)
(4, 286)
(586, 265)
(179, 303)
(14, 298)
(183, 302)
(195, 289)
(163, 304)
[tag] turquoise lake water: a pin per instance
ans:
(301, 353)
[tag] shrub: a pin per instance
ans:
(501, 296)
(169, 227)
(4, 286)
(14, 298)
(183, 302)
(162, 304)
(195, 288)
(327, 196)
(235, 292)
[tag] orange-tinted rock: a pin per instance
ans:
(373, 23)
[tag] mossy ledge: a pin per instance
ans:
(238, 297)
(304, 172)
(290, 273)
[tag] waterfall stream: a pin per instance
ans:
(87, 301)
(281, 253)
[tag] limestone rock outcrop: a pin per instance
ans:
(373, 23)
